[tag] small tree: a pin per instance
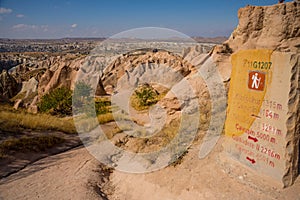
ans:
(57, 102)
(81, 95)
(82, 98)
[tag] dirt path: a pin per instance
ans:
(71, 175)
(77, 175)
(20, 159)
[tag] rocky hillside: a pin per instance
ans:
(274, 27)
(126, 63)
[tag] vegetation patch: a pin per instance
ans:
(57, 102)
(105, 118)
(29, 144)
(177, 158)
(14, 121)
(144, 97)
(102, 106)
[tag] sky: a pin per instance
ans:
(42, 19)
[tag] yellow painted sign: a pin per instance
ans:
(251, 76)
(262, 105)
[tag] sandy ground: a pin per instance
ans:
(76, 175)
(70, 175)
(199, 179)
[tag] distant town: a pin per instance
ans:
(70, 45)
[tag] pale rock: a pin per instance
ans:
(18, 103)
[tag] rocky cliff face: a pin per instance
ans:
(274, 27)
(62, 72)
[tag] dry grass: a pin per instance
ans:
(86, 123)
(29, 144)
(105, 118)
(14, 121)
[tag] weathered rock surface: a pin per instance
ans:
(62, 73)
(8, 85)
(274, 27)
(137, 64)
(29, 86)
(270, 27)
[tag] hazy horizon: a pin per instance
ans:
(102, 38)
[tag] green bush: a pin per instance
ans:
(60, 101)
(57, 102)
(144, 97)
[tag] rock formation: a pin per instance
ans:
(274, 27)
(127, 63)
(62, 72)
(8, 85)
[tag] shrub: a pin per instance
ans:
(57, 102)
(84, 102)
(61, 100)
(144, 97)
(82, 99)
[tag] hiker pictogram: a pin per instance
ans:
(256, 80)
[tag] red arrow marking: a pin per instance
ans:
(251, 160)
(252, 138)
